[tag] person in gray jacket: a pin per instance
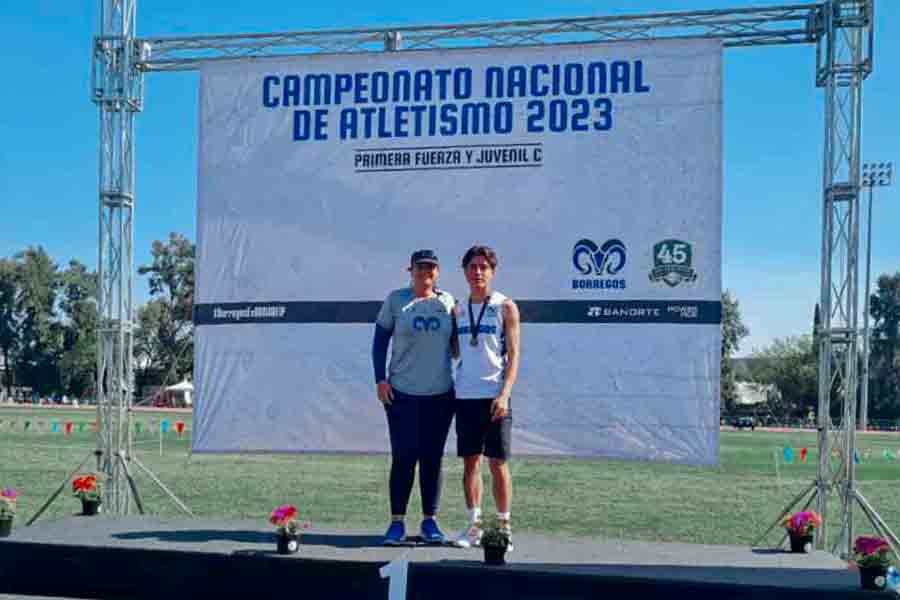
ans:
(416, 390)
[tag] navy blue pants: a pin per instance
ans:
(418, 426)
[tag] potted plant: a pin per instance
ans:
(801, 527)
(870, 554)
(87, 488)
(7, 510)
(287, 528)
(495, 541)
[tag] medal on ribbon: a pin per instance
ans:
(474, 326)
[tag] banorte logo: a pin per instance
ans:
(600, 262)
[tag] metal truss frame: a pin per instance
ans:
(842, 31)
(118, 93)
(791, 24)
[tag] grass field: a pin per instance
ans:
(631, 500)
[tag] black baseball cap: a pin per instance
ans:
(424, 256)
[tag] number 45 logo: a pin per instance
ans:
(672, 263)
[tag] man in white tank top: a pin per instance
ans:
(488, 326)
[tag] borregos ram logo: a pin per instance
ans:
(599, 265)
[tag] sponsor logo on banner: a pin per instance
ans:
(599, 264)
(672, 263)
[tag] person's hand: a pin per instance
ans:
(499, 407)
(385, 393)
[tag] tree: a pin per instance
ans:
(789, 363)
(733, 331)
(41, 336)
(9, 327)
(149, 353)
(172, 287)
(885, 347)
(817, 331)
(78, 303)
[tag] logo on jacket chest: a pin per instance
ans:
(421, 323)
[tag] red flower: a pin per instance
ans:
(283, 514)
(86, 483)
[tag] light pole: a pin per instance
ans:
(873, 174)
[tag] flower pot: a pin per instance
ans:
(801, 543)
(288, 544)
(873, 578)
(90, 507)
(5, 527)
(494, 555)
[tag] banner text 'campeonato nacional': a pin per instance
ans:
(453, 102)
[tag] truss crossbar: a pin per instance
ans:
(791, 24)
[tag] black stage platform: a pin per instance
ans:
(101, 557)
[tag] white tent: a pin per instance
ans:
(186, 388)
(749, 393)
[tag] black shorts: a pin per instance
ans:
(477, 434)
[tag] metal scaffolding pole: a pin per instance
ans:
(841, 30)
(117, 89)
(843, 62)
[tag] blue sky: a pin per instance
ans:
(773, 135)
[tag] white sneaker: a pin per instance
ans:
(508, 531)
(470, 537)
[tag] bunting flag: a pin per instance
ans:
(164, 426)
(138, 427)
(179, 428)
(803, 454)
(68, 427)
(887, 454)
(27, 425)
(867, 453)
(788, 454)
(54, 427)
(856, 456)
(81, 427)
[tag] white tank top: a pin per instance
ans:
(481, 368)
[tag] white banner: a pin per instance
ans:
(595, 173)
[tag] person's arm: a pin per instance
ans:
(384, 328)
(454, 332)
(511, 330)
(380, 344)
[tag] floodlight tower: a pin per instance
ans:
(880, 174)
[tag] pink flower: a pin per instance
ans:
(9, 493)
(870, 545)
(283, 514)
(804, 522)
